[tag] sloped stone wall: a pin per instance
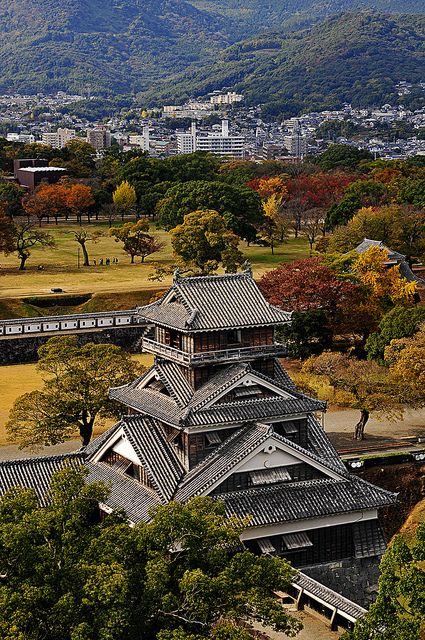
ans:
(357, 580)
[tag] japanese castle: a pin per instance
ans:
(218, 415)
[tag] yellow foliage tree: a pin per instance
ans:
(124, 198)
(274, 228)
(384, 283)
(406, 359)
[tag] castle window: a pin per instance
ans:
(295, 541)
(266, 545)
(269, 476)
(213, 438)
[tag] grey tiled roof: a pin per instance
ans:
(172, 377)
(35, 473)
(303, 500)
(236, 448)
(125, 493)
(332, 598)
(256, 409)
(97, 443)
(171, 411)
(393, 256)
(148, 402)
(367, 243)
(318, 443)
(214, 303)
(282, 376)
(157, 456)
(223, 459)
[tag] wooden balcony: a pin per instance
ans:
(222, 356)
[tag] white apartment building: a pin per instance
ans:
(219, 143)
(296, 142)
(27, 138)
(58, 139)
(142, 141)
(231, 97)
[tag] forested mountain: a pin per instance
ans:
(168, 49)
(354, 57)
(108, 45)
(252, 16)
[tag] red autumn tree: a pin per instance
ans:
(309, 284)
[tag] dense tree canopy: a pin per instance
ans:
(367, 386)
(67, 575)
(240, 206)
(400, 322)
(203, 242)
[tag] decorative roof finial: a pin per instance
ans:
(247, 268)
(176, 274)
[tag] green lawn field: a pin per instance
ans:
(60, 265)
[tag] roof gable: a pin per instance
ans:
(214, 303)
(253, 447)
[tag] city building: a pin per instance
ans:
(140, 141)
(296, 142)
(30, 172)
(58, 139)
(219, 143)
(231, 97)
(99, 138)
(217, 415)
(26, 138)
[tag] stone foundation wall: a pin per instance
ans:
(355, 579)
(22, 350)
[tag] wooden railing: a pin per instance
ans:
(208, 357)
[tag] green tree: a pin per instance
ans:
(203, 242)
(136, 241)
(342, 156)
(75, 392)
(399, 610)
(68, 575)
(124, 199)
(24, 236)
(307, 334)
(367, 386)
(400, 322)
(11, 195)
(240, 206)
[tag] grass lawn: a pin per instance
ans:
(61, 268)
(18, 379)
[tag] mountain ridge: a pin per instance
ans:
(154, 47)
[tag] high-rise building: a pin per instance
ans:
(295, 142)
(58, 139)
(219, 143)
(99, 138)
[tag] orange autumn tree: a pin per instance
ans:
(47, 201)
(79, 200)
